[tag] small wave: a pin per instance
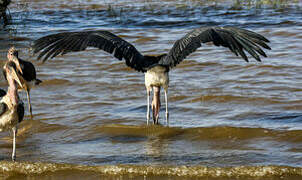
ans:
(200, 133)
(127, 130)
(235, 99)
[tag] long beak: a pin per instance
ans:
(16, 60)
(16, 77)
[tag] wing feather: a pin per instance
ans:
(60, 49)
(236, 39)
(62, 43)
(46, 41)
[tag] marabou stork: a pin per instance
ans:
(26, 71)
(156, 68)
(11, 107)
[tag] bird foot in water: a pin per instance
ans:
(14, 157)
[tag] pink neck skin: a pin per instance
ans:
(12, 91)
(156, 102)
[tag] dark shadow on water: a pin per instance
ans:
(296, 117)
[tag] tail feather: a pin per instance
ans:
(38, 81)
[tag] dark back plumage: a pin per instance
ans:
(29, 70)
(236, 39)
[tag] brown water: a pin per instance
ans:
(228, 118)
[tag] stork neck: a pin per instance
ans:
(156, 103)
(13, 91)
(156, 92)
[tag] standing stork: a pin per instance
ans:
(11, 107)
(156, 68)
(26, 71)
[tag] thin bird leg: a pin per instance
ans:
(167, 113)
(148, 105)
(29, 105)
(14, 129)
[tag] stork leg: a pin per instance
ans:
(167, 113)
(148, 105)
(14, 129)
(28, 101)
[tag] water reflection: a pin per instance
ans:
(156, 147)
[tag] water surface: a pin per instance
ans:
(228, 118)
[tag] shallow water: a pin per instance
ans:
(240, 119)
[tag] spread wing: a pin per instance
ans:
(236, 39)
(58, 44)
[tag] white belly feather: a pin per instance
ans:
(157, 78)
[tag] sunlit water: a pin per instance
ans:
(224, 113)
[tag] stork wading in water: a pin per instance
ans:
(156, 68)
(11, 107)
(26, 72)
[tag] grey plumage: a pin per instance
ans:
(20, 110)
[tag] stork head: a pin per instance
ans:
(12, 55)
(12, 52)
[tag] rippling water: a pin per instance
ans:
(228, 118)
